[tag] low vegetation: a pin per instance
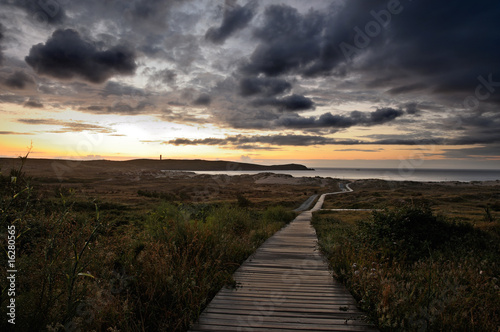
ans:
(85, 264)
(413, 270)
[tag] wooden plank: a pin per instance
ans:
(271, 321)
(284, 293)
(278, 312)
(280, 309)
(287, 304)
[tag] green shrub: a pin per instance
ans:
(410, 232)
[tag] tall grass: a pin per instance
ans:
(414, 271)
(110, 268)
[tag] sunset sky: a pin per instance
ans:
(352, 83)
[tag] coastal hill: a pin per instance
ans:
(49, 167)
(206, 165)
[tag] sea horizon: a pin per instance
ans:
(389, 174)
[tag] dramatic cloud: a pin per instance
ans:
(67, 55)
(202, 100)
(235, 19)
(250, 86)
(288, 103)
(328, 120)
(290, 42)
(18, 80)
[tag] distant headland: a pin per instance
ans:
(218, 165)
(157, 165)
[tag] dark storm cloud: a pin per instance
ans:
(235, 18)
(18, 80)
(329, 120)
(290, 42)
(382, 115)
(288, 103)
(250, 86)
(460, 37)
(66, 55)
(458, 42)
(202, 100)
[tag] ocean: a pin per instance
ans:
(420, 175)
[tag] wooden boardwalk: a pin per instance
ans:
(284, 286)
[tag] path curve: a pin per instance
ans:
(321, 199)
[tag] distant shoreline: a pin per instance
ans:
(165, 164)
